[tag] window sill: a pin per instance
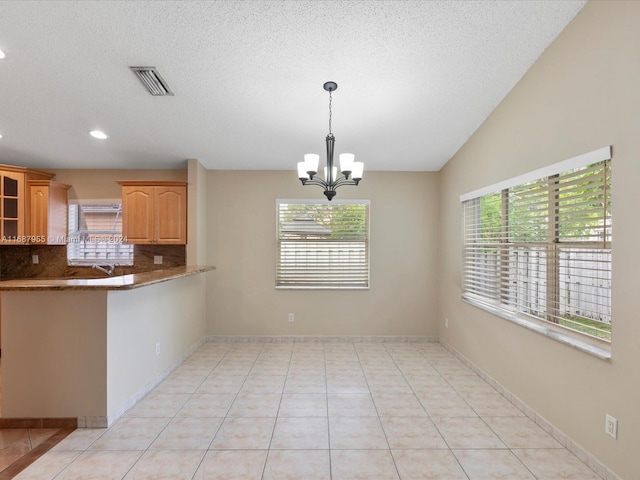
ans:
(583, 345)
(297, 287)
(90, 263)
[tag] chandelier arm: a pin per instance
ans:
(330, 186)
(344, 181)
(316, 181)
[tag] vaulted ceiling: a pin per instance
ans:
(415, 79)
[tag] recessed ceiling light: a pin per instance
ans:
(2, 55)
(100, 135)
(0, 135)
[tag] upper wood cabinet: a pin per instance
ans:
(12, 207)
(48, 212)
(14, 203)
(154, 212)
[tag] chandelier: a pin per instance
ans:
(351, 171)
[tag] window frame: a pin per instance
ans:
(324, 286)
(78, 262)
(585, 342)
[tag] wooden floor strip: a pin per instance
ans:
(70, 422)
(23, 462)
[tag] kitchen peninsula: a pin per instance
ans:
(90, 348)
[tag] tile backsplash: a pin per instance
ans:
(16, 261)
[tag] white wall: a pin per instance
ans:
(581, 94)
(170, 313)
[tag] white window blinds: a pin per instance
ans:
(95, 235)
(322, 245)
(543, 247)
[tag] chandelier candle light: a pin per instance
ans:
(351, 171)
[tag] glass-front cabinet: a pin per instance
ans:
(15, 205)
(12, 207)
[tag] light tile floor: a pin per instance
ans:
(316, 411)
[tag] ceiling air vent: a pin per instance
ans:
(152, 81)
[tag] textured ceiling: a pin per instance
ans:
(415, 79)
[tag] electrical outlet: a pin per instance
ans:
(446, 323)
(611, 426)
(157, 348)
(157, 259)
(35, 259)
(291, 317)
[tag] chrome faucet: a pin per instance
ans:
(108, 268)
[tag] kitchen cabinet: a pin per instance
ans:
(11, 206)
(48, 212)
(154, 212)
(14, 224)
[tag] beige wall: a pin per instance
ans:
(582, 93)
(71, 353)
(44, 336)
(197, 213)
(102, 184)
(242, 244)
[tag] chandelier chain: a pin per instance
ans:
(330, 98)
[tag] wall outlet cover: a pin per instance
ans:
(611, 426)
(157, 259)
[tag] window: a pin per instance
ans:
(95, 235)
(539, 246)
(322, 245)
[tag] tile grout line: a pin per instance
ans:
(440, 375)
(393, 459)
(275, 421)
(223, 418)
(326, 397)
(436, 425)
(204, 455)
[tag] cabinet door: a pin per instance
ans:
(39, 214)
(137, 214)
(58, 214)
(170, 216)
(48, 212)
(12, 207)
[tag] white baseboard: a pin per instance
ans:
(319, 338)
(94, 422)
(587, 458)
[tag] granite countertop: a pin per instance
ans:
(122, 282)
